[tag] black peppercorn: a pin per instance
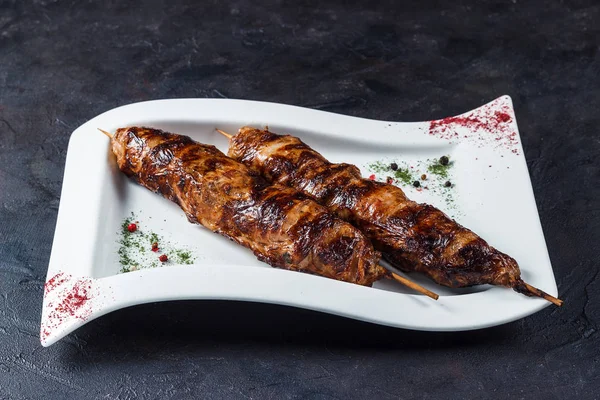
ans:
(448, 184)
(444, 160)
(394, 166)
(416, 184)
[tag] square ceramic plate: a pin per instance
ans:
(491, 194)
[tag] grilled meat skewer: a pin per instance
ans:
(282, 227)
(411, 236)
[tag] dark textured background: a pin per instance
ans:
(64, 62)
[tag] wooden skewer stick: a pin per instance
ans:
(227, 135)
(415, 286)
(542, 294)
(106, 133)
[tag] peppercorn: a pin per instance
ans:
(423, 177)
(389, 180)
(132, 227)
(448, 184)
(394, 166)
(163, 258)
(155, 247)
(416, 184)
(444, 160)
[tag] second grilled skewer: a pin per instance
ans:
(412, 236)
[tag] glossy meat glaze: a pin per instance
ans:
(282, 227)
(412, 236)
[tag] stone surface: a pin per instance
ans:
(64, 62)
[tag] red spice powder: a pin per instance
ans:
(73, 303)
(502, 117)
(76, 298)
(488, 124)
(55, 282)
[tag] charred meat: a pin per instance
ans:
(282, 227)
(411, 236)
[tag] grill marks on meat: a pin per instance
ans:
(412, 236)
(282, 227)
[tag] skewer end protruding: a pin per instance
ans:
(540, 293)
(227, 135)
(415, 286)
(527, 289)
(106, 133)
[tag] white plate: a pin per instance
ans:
(493, 197)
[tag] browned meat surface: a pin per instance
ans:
(282, 227)
(412, 236)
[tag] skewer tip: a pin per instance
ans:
(227, 135)
(106, 133)
(415, 286)
(540, 293)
